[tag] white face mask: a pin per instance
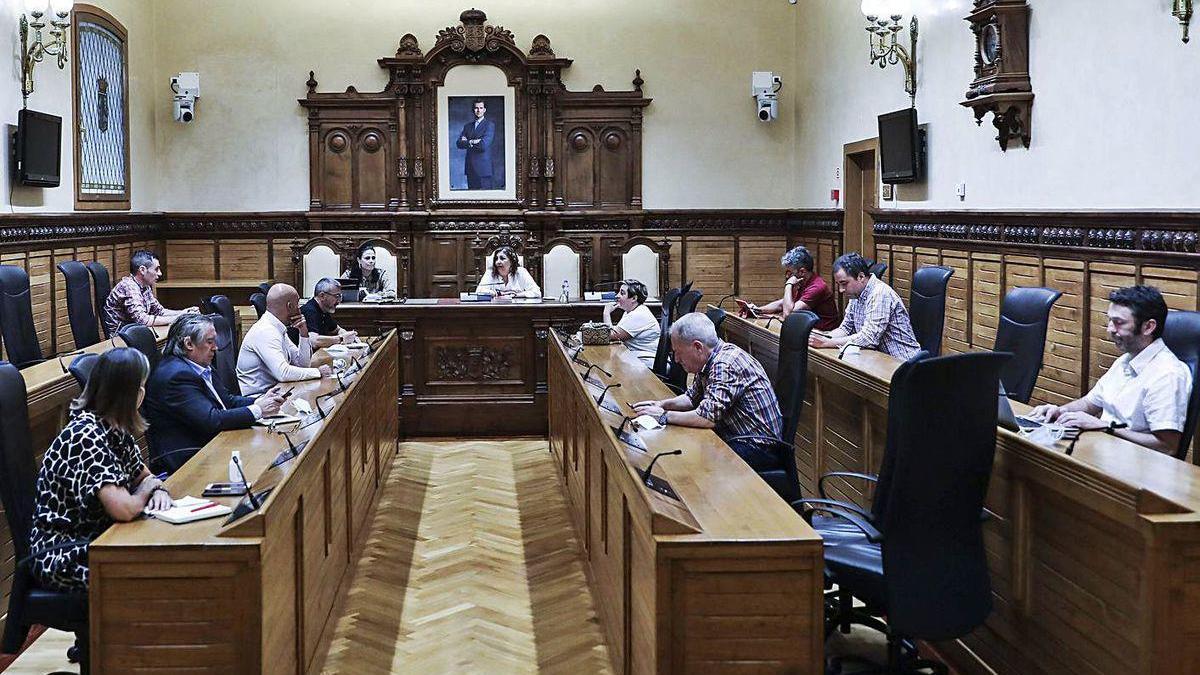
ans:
(1046, 435)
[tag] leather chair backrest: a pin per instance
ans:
(927, 306)
(16, 317)
(1182, 336)
(933, 480)
(683, 290)
(879, 269)
(225, 364)
(81, 368)
(661, 360)
(259, 301)
(1024, 319)
(19, 475)
(223, 306)
(791, 378)
(688, 302)
(265, 286)
(84, 325)
(717, 316)
(141, 338)
(102, 286)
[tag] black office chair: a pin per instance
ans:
(222, 305)
(102, 286)
(225, 364)
(81, 368)
(84, 326)
(683, 290)
(688, 302)
(662, 357)
(921, 560)
(264, 287)
(1182, 336)
(879, 269)
(791, 378)
(717, 316)
(143, 339)
(28, 603)
(927, 306)
(1024, 319)
(16, 318)
(259, 301)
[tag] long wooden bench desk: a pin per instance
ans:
(254, 595)
(726, 578)
(1093, 555)
(471, 368)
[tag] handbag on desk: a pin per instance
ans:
(595, 333)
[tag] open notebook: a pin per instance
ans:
(187, 509)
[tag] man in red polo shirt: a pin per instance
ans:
(805, 289)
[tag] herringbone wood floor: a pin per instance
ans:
(471, 566)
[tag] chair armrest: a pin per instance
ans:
(832, 508)
(759, 437)
(843, 474)
(670, 386)
(799, 505)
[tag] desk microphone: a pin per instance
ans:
(322, 397)
(646, 474)
(718, 305)
(770, 319)
(604, 393)
(250, 493)
(342, 385)
(575, 357)
(842, 351)
(63, 356)
(625, 420)
(588, 372)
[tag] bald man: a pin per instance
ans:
(268, 357)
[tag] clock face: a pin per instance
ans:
(989, 44)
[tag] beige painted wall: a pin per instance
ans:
(247, 149)
(52, 94)
(1114, 118)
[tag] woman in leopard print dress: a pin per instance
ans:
(93, 473)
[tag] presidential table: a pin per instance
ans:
(721, 577)
(254, 595)
(471, 368)
(1093, 555)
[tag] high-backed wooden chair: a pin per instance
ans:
(319, 261)
(562, 263)
(642, 263)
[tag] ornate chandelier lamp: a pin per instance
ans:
(34, 48)
(885, 20)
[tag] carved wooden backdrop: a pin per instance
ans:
(378, 151)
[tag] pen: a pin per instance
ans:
(206, 506)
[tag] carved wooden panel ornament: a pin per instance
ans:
(371, 151)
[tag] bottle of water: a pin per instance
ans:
(565, 295)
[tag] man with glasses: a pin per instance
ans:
(318, 314)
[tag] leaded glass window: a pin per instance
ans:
(102, 106)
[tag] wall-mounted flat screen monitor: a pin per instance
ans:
(900, 151)
(37, 154)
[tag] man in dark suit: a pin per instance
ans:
(476, 138)
(186, 403)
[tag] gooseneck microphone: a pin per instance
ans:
(590, 366)
(723, 299)
(625, 420)
(575, 357)
(650, 467)
(250, 492)
(600, 399)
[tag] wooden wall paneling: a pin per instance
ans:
(759, 275)
(1104, 278)
(956, 331)
(900, 270)
(335, 170)
(40, 266)
(987, 289)
(1061, 379)
(1178, 286)
(244, 259)
(189, 260)
(64, 340)
(284, 269)
(675, 263)
(372, 175)
(616, 164)
(710, 265)
(580, 172)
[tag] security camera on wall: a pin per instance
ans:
(764, 87)
(186, 89)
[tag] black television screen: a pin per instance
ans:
(39, 148)
(899, 146)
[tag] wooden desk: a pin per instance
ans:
(471, 369)
(187, 293)
(726, 579)
(254, 596)
(1092, 555)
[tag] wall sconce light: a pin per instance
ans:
(1182, 10)
(33, 53)
(884, 23)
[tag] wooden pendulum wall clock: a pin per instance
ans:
(1001, 84)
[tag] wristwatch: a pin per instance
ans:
(662, 419)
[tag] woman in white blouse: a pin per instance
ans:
(508, 277)
(638, 328)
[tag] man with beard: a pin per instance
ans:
(318, 314)
(1143, 397)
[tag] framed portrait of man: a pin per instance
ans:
(476, 144)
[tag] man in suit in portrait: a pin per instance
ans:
(186, 404)
(476, 138)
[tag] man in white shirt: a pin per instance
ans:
(267, 356)
(1144, 395)
(638, 328)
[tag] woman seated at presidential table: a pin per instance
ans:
(637, 329)
(371, 280)
(93, 474)
(507, 277)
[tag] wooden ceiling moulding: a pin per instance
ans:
(378, 151)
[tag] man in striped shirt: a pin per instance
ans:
(875, 317)
(730, 394)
